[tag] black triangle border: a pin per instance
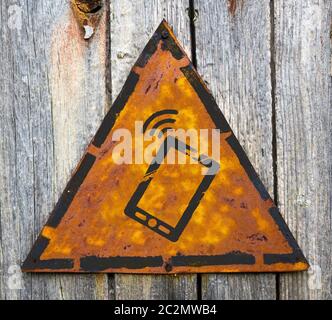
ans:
(99, 264)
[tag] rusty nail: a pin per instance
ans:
(89, 6)
(87, 13)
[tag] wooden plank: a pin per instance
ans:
(132, 24)
(233, 56)
(303, 119)
(53, 98)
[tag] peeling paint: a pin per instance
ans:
(88, 32)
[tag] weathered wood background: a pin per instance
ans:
(268, 63)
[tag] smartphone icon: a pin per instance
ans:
(169, 224)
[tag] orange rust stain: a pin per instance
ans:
(232, 6)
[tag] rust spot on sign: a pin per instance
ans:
(151, 215)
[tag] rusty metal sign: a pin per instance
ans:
(164, 186)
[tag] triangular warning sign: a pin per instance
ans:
(139, 212)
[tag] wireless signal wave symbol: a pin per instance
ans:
(164, 123)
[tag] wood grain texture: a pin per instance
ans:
(304, 147)
(233, 56)
(55, 89)
(53, 98)
(132, 24)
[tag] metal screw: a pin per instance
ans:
(164, 34)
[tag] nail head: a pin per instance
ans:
(164, 34)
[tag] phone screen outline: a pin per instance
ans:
(132, 209)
